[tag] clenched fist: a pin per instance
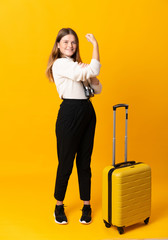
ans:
(91, 38)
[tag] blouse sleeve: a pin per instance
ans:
(72, 70)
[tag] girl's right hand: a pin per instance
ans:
(83, 65)
(91, 38)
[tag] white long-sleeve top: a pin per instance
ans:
(68, 76)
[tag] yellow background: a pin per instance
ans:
(132, 37)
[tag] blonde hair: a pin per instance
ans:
(55, 53)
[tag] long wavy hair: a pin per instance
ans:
(55, 53)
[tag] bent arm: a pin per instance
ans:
(92, 39)
(72, 70)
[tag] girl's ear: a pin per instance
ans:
(58, 46)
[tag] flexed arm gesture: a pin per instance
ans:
(91, 38)
(95, 55)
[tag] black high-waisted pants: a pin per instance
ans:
(75, 128)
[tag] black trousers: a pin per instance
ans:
(75, 128)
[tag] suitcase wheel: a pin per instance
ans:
(146, 220)
(108, 225)
(120, 230)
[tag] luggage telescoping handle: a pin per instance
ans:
(114, 129)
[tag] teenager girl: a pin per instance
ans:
(76, 120)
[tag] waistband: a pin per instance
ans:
(75, 101)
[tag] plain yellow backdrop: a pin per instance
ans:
(132, 37)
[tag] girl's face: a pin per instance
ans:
(67, 45)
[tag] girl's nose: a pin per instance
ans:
(69, 44)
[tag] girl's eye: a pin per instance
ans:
(71, 42)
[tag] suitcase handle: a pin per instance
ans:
(114, 129)
(125, 163)
(120, 105)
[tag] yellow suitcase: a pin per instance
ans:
(126, 195)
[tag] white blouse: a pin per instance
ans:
(68, 75)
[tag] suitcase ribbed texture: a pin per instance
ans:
(131, 194)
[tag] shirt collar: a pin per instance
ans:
(69, 58)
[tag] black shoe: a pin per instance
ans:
(60, 217)
(86, 215)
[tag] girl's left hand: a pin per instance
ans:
(94, 81)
